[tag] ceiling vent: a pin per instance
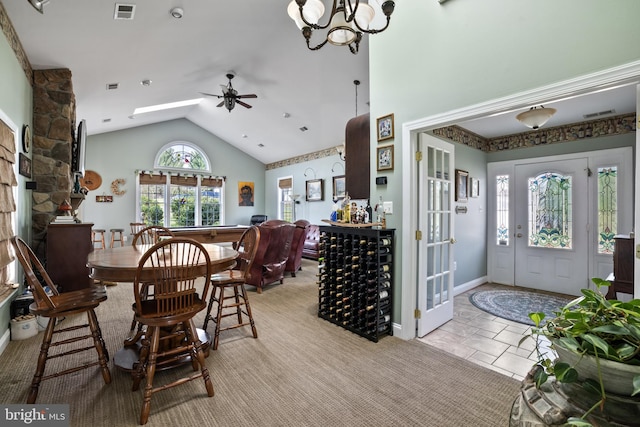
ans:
(112, 86)
(124, 11)
(600, 114)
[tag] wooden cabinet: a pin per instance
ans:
(623, 259)
(68, 246)
(355, 279)
(358, 162)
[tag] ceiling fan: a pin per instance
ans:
(230, 96)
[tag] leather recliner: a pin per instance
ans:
(272, 254)
(312, 242)
(294, 263)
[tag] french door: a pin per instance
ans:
(435, 194)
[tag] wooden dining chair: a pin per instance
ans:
(145, 236)
(232, 304)
(177, 266)
(151, 235)
(56, 306)
(136, 227)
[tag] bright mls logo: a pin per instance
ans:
(34, 415)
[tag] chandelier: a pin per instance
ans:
(536, 116)
(38, 4)
(348, 20)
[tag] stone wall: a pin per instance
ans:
(54, 117)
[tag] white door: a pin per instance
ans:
(551, 244)
(435, 201)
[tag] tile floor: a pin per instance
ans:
(485, 339)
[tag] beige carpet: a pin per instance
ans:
(301, 371)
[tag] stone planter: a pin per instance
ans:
(617, 377)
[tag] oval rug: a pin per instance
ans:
(516, 305)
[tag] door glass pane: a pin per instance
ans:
(430, 269)
(502, 209)
(607, 208)
(445, 163)
(431, 160)
(549, 213)
(439, 158)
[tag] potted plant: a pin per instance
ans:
(598, 346)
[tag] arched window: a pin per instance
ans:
(181, 191)
(182, 155)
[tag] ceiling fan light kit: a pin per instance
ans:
(536, 116)
(347, 22)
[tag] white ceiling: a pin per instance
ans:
(183, 57)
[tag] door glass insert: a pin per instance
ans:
(502, 209)
(549, 222)
(607, 208)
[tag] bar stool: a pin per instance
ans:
(120, 232)
(97, 236)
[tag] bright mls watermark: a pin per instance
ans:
(34, 415)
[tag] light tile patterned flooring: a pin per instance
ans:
(485, 339)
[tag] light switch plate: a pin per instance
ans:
(388, 207)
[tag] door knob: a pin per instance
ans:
(519, 235)
(452, 240)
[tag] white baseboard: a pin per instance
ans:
(457, 290)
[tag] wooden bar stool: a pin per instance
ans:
(235, 305)
(97, 237)
(120, 232)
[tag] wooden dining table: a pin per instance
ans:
(120, 264)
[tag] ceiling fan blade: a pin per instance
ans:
(252, 95)
(211, 94)
(244, 104)
(221, 104)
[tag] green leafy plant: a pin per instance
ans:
(589, 325)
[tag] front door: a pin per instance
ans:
(551, 244)
(435, 194)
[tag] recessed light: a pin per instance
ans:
(106, 120)
(244, 135)
(146, 82)
(112, 86)
(177, 12)
(304, 129)
(260, 145)
(286, 115)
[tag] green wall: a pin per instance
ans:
(16, 109)
(436, 58)
(119, 154)
(320, 168)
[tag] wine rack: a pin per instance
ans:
(355, 276)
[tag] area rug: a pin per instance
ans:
(516, 305)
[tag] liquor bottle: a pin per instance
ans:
(368, 213)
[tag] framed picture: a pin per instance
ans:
(315, 190)
(385, 127)
(245, 193)
(339, 187)
(24, 166)
(461, 185)
(475, 187)
(385, 158)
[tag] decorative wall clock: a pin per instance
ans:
(26, 138)
(91, 180)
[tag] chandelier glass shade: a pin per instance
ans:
(348, 21)
(536, 116)
(38, 5)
